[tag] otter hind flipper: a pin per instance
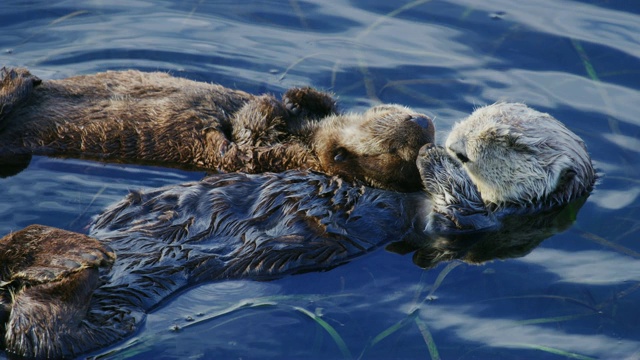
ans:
(47, 279)
(16, 85)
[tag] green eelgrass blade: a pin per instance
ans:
(551, 297)
(391, 14)
(551, 350)
(68, 16)
(604, 242)
(364, 69)
(246, 304)
(329, 329)
(145, 342)
(297, 10)
(585, 60)
(441, 277)
(428, 339)
(298, 61)
(395, 327)
(613, 122)
(554, 319)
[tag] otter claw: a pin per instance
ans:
(224, 147)
(431, 151)
(293, 108)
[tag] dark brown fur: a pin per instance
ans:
(48, 274)
(154, 118)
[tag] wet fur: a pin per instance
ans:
(154, 118)
(230, 226)
(517, 156)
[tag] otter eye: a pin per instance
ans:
(462, 157)
(340, 154)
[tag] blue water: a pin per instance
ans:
(574, 295)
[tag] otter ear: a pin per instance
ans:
(564, 182)
(566, 177)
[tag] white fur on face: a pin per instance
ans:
(515, 154)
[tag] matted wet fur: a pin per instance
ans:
(231, 226)
(154, 118)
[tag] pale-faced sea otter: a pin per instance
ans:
(154, 118)
(264, 226)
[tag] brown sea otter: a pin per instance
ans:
(154, 118)
(231, 226)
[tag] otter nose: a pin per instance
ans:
(422, 120)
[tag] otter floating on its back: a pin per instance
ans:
(232, 226)
(154, 118)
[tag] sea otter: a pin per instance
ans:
(154, 118)
(263, 226)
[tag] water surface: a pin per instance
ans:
(575, 295)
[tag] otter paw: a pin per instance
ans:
(437, 168)
(235, 158)
(432, 157)
(225, 146)
(271, 108)
(40, 254)
(260, 122)
(305, 103)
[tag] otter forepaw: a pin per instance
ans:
(308, 103)
(40, 254)
(235, 158)
(271, 108)
(260, 122)
(457, 204)
(437, 168)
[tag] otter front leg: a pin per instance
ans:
(16, 86)
(457, 204)
(260, 122)
(283, 157)
(222, 153)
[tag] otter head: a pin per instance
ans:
(517, 155)
(379, 146)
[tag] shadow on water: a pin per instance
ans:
(518, 236)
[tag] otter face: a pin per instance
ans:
(379, 146)
(515, 154)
